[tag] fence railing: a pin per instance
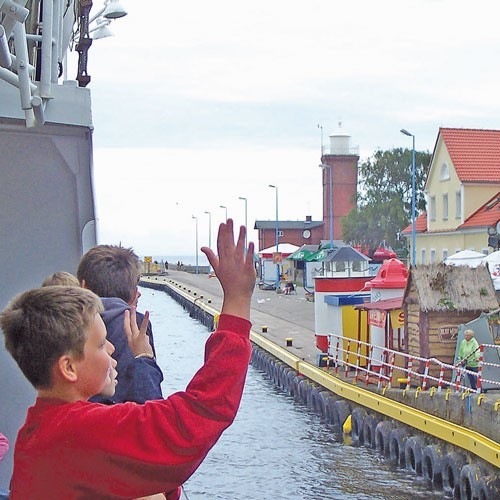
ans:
(379, 365)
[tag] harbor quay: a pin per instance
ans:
(446, 436)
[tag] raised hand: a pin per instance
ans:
(235, 270)
(138, 339)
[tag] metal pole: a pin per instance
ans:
(331, 209)
(246, 223)
(413, 254)
(277, 238)
(209, 235)
(196, 219)
(413, 196)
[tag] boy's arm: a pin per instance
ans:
(143, 376)
(235, 270)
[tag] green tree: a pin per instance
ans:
(384, 198)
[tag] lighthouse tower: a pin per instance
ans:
(340, 179)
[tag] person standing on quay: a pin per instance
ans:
(468, 356)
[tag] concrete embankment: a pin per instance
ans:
(440, 433)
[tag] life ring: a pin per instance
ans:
(413, 454)
(452, 465)
(382, 433)
(432, 465)
(357, 418)
(469, 481)
(369, 425)
(342, 411)
(488, 487)
(397, 445)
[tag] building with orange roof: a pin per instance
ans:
(463, 195)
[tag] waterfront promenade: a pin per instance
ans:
(285, 316)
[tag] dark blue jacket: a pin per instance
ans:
(138, 379)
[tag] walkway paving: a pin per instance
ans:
(285, 316)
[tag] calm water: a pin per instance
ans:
(276, 448)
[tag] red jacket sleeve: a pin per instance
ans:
(135, 450)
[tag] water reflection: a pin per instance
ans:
(276, 448)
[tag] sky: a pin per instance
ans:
(198, 103)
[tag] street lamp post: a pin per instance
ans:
(413, 196)
(330, 201)
(246, 222)
(277, 237)
(225, 208)
(209, 234)
(196, 219)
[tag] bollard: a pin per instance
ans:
(264, 329)
(289, 342)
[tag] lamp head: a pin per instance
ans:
(114, 10)
(405, 132)
(102, 30)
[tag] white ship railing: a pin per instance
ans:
(63, 23)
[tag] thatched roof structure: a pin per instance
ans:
(451, 288)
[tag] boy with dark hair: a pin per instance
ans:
(72, 448)
(113, 272)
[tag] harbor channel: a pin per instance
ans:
(449, 438)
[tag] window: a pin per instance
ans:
(433, 256)
(444, 174)
(432, 210)
(423, 255)
(445, 253)
(445, 206)
(458, 205)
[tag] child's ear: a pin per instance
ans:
(83, 284)
(66, 368)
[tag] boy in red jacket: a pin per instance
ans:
(72, 448)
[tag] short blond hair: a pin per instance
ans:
(62, 278)
(469, 331)
(43, 324)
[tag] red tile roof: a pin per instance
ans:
(420, 224)
(487, 215)
(475, 153)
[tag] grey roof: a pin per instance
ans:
(287, 224)
(346, 254)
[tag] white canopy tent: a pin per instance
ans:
(469, 258)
